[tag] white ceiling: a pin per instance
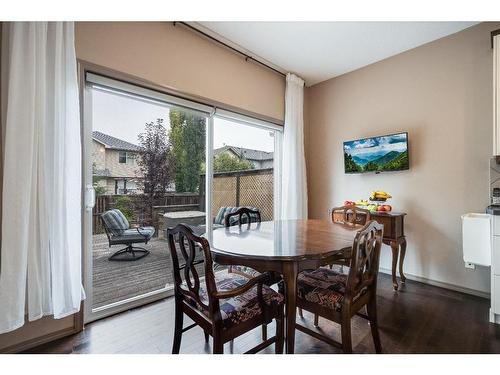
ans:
(318, 51)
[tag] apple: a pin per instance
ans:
(387, 208)
(348, 203)
(381, 208)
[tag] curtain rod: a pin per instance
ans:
(247, 57)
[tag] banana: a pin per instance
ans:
(379, 194)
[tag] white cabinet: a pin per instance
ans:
(496, 95)
(495, 289)
(495, 270)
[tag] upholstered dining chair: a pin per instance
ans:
(241, 216)
(338, 296)
(350, 215)
(345, 215)
(225, 305)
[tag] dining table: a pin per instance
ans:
(286, 247)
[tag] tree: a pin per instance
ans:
(98, 189)
(224, 162)
(187, 136)
(155, 162)
(371, 167)
(349, 164)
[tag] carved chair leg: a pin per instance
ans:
(371, 308)
(179, 318)
(346, 334)
(218, 345)
(301, 313)
(264, 332)
(207, 336)
(280, 336)
(316, 320)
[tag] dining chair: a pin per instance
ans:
(225, 305)
(338, 297)
(350, 216)
(241, 216)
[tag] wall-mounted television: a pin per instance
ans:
(377, 154)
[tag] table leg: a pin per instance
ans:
(395, 252)
(401, 260)
(290, 272)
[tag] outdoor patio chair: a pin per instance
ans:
(119, 232)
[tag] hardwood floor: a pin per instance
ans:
(419, 318)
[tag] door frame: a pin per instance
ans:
(239, 115)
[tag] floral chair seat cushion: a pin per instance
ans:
(242, 307)
(323, 286)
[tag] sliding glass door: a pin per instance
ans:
(153, 161)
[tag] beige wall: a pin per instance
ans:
(441, 93)
(175, 57)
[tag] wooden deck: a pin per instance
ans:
(115, 281)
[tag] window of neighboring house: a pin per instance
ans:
(125, 157)
(122, 157)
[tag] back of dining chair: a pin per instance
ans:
(350, 215)
(365, 258)
(185, 244)
(243, 215)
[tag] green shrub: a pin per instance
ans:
(126, 206)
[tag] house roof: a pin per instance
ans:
(246, 153)
(114, 143)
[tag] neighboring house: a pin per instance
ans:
(115, 164)
(259, 159)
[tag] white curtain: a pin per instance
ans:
(41, 199)
(294, 183)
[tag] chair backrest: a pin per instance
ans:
(115, 222)
(184, 244)
(350, 215)
(243, 215)
(365, 257)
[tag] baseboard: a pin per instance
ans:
(46, 338)
(440, 284)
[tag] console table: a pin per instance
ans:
(394, 236)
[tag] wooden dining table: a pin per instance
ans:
(286, 247)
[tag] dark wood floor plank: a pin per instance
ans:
(419, 318)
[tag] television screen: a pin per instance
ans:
(377, 154)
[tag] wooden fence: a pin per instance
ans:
(253, 188)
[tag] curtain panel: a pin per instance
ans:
(294, 183)
(40, 270)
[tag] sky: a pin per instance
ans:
(376, 146)
(124, 118)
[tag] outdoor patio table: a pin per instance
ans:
(284, 246)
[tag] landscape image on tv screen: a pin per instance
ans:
(377, 154)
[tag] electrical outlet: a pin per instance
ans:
(472, 266)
